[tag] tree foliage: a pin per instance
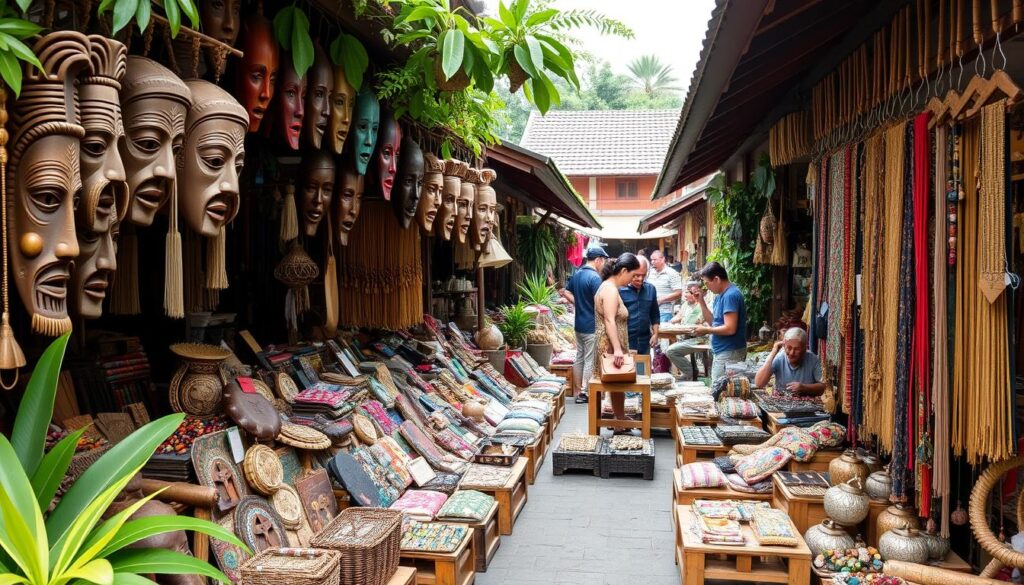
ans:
(651, 76)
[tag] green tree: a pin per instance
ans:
(651, 76)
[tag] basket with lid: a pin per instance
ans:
(368, 540)
(296, 566)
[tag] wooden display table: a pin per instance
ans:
(750, 562)
(403, 576)
(875, 507)
(565, 371)
(689, 420)
(454, 568)
(511, 497)
(642, 385)
(819, 462)
(693, 453)
(536, 453)
(560, 405)
(486, 538)
(952, 562)
(663, 416)
(804, 511)
(686, 497)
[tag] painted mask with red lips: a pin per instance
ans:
(256, 74)
(385, 155)
(291, 102)
(214, 150)
(317, 181)
(347, 201)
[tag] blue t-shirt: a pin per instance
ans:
(643, 309)
(809, 371)
(583, 285)
(730, 301)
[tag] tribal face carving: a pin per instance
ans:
(348, 201)
(430, 195)
(94, 270)
(317, 176)
(406, 193)
(385, 156)
(318, 99)
(154, 101)
(454, 171)
(256, 75)
(220, 19)
(214, 152)
(291, 103)
(485, 209)
(464, 205)
(342, 101)
(367, 124)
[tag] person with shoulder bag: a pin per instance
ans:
(614, 362)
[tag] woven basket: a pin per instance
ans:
(294, 566)
(82, 461)
(368, 540)
(579, 443)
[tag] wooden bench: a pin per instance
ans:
(535, 453)
(748, 562)
(681, 496)
(486, 538)
(511, 497)
(455, 568)
(403, 576)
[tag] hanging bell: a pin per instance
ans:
(11, 356)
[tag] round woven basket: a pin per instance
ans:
(263, 469)
(286, 387)
(302, 437)
(296, 269)
(287, 503)
(200, 352)
(364, 429)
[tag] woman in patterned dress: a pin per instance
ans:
(612, 322)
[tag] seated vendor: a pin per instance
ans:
(797, 372)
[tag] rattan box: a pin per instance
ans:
(639, 461)
(369, 541)
(294, 566)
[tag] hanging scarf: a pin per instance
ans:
(940, 380)
(838, 180)
(902, 443)
(920, 339)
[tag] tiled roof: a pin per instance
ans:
(603, 142)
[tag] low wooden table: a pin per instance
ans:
(687, 420)
(565, 371)
(536, 452)
(686, 497)
(750, 562)
(804, 511)
(693, 453)
(642, 385)
(819, 462)
(511, 497)
(454, 568)
(486, 538)
(560, 405)
(403, 576)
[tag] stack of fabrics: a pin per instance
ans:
(331, 400)
(696, 404)
(717, 530)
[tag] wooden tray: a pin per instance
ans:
(455, 568)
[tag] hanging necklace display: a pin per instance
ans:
(11, 356)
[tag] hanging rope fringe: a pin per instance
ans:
(216, 261)
(174, 300)
(124, 293)
(289, 216)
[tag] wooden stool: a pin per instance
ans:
(486, 538)
(511, 497)
(642, 385)
(455, 568)
(748, 562)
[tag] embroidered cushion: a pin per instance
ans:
(725, 464)
(798, 442)
(828, 435)
(701, 475)
(736, 482)
(467, 506)
(738, 408)
(523, 426)
(420, 505)
(762, 464)
(773, 527)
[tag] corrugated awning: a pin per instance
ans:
(621, 227)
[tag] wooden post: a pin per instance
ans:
(479, 297)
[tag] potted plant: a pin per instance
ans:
(535, 291)
(70, 543)
(492, 344)
(515, 322)
(539, 345)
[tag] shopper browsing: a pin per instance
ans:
(728, 318)
(580, 291)
(612, 320)
(690, 314)
(667, 282)
(796, 370)
(641, 301)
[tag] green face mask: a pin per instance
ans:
(365, 124)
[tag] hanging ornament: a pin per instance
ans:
(296, 270)
(959, 516)
(11, 356)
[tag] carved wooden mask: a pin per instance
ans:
(256, 74)
(366, 119)
(94, 271)
(291, 102)
(154, 102)
(343, 99)
(45, 179)
(318, 98)
(385, 156)
(464, 204)
(484, 210)
(221, 19)
(454, 171)
(406, 193)
(316, 178)
(348, 199)
(214, 150)
(430, 195)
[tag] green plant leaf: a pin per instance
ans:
(541, 98)
(124, 10)
(347, 51)
(10, 71)
(519, 8)
(522, 56)
(452, 52)
(494, 24)
(506, 15)
(24, 4)
(162, 562)
(142, 13)
(131, 579)
(97, 571)
(284, 25)
(482, 76)
(51, 471)
(552, 91)
(190, 10)
(23, 535)
(19, 28)
(541, 17)
(103, 533)
(417, 14)
(302, 44)
(12, 579)
(123, 458)
(67, 553)
(36, 409)
(20, 50)
(136, 530)
(173, 16)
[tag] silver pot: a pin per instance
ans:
(873, 463)
(827, 536)
(903, 544)
(938, 547)
(879, 485)
(847, 503)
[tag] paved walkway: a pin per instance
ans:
(583, 530)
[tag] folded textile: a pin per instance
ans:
(420, 505)
(466, 506)
(433, 537)
(486, 475)
(717, 530)
(773, 527)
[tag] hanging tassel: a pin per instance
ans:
(11, 356)
(216, 262)
(174, 300)
(289, 216)
(331, 299)
(124, 293)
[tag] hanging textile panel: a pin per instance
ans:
(874, 207)
(380, 272)
(838, 172)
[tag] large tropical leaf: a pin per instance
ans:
(301, 43)
(22, 535)
(452, 50)
(66, 554)
(131, 579)
(10, 70)
(136, 530)
(29, 434)
(124, 11)
(173, 16)
(162, 562)
(98, 571)
(122, 459)
(55, 465)
(101, 536)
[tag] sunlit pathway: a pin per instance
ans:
(583, 530)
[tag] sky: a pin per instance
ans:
(671, 29)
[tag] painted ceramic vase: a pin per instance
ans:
(196, 387)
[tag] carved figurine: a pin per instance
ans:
(406, 194)
(291, 102)
(483, 212)
(454, 171)
(256, 75)
(212, 157)
(343, 99)
(317, 189)
(94, 271)
(385, 156)
(318, 98)
(464, 204)
(347, 201)
(430, 195)
(366, 119)
(44, 177)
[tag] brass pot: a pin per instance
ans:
(827, 536)
(846, 466)
(903, 544)
(896, 516)
(847, 503)
(879, 485)
(197, 387)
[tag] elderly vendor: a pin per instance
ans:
(797, 371)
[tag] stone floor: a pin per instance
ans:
(583, 530)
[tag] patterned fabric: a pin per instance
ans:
(397, 470)
(527, 413)
(376, 412)
(523, 426)
(446, 483)
(737, 483)
(717, 530)
(838, 165)
(701, 475)
(738, 408)
(421, 505)
(901, 448)
(798, 442)
(761, 464)
(433, 537)
(725, 464)
(317, 394)
(388, 492)
(466, 505)
(828, 435)
(486, 475)
(773, 527)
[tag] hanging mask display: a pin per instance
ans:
(94, 271)
(317, 181)
(104, 190)
(291, 102)
(318, 98)
(212, 157)
(221, 19)
(385, 156)
(44, 177)
(343, 99)
(464, 204)
(366, 121)
(154, 102)
(406, 193)
(484, 210)
(256, 74)
(348, 199)
(430, 194)
(454, 171)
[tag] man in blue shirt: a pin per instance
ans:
(796, 370)
(641, 300)
(728, 318)
(580, 291)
